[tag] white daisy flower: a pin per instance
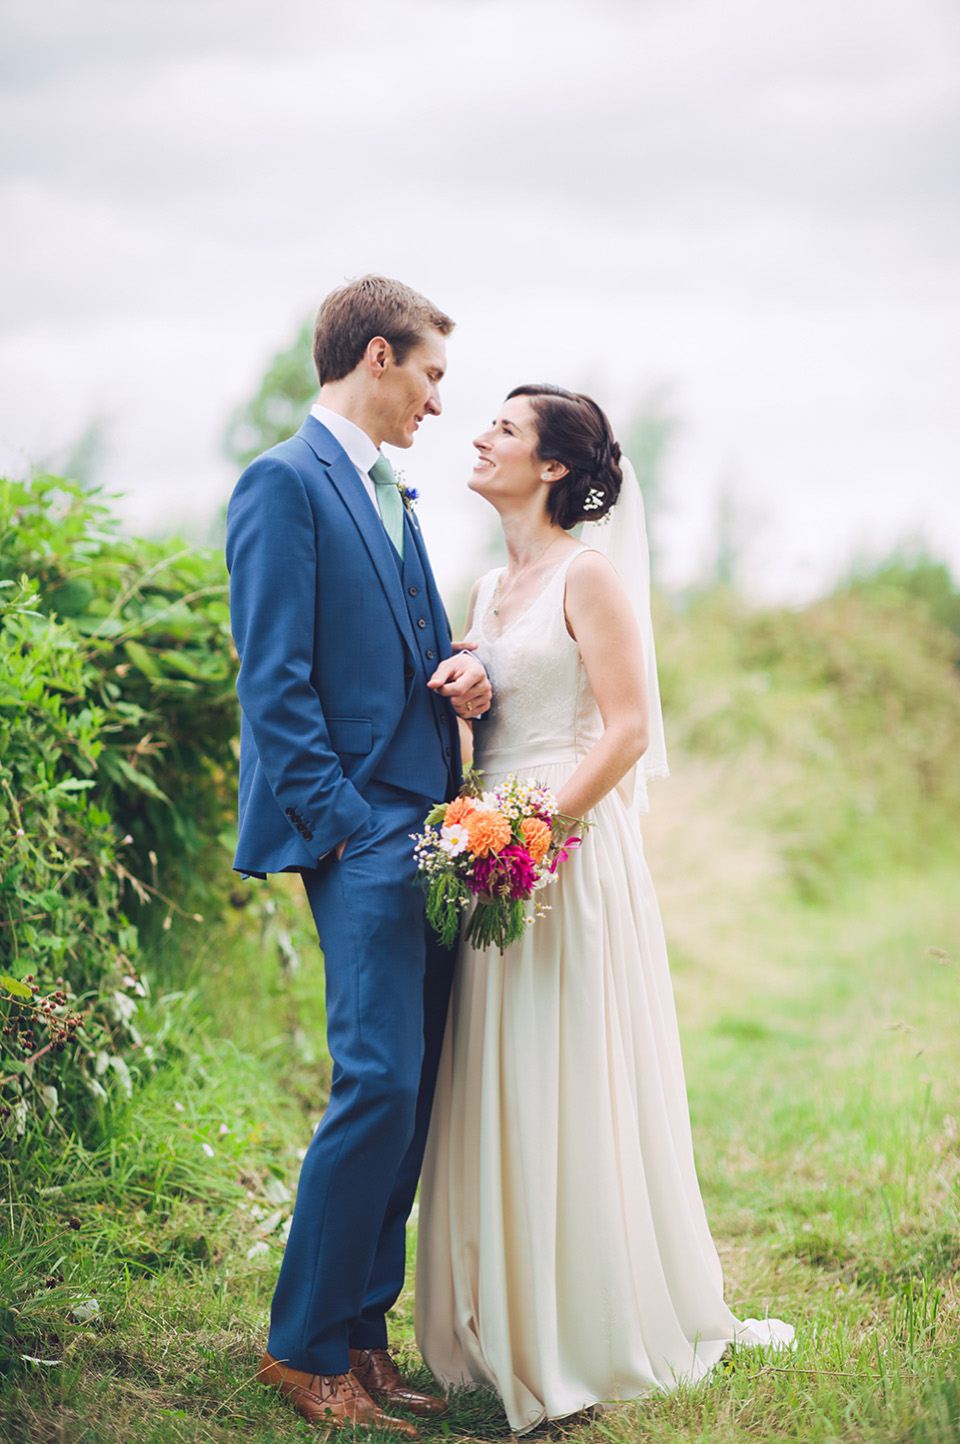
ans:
(453, 839)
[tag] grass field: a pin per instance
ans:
(822, 1047)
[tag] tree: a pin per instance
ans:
(286, 391)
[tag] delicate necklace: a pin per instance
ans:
(498, 599)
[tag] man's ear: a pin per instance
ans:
(378, 356)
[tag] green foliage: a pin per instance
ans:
(68, 990)
(843, 720)
(116, 773)
(911, 574)
(286, 391)
(151, 623)
(447, 895)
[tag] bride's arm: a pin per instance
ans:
(600, 619)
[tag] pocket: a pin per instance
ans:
(351, 734)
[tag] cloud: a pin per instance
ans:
(757, 204)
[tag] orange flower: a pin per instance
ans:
(460, 809)
(488, 832)
(536, 834)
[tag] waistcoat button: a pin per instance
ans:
(421, 622)
(414, 591)
(429, 655)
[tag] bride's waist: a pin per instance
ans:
(541, 753)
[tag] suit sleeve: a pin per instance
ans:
(273, 564)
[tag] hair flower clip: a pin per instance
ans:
(594, 499)
(408, 494)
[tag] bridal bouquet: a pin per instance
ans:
(495, 848)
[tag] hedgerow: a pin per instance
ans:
(117, 778)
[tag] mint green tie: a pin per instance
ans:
(388, 500)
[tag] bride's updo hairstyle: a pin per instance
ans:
(573, 430)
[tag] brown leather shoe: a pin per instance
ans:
(381, 1378)
(330, 1400)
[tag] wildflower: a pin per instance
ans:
(208, 1150)
(454, 839)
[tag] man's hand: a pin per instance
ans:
(463, 679)
(340, 847)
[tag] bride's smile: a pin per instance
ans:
(508, 467)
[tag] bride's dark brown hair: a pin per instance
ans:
(572, 429)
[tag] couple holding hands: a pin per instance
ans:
(563, 1255)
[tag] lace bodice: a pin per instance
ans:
(543, 708)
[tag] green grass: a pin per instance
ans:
(822, 1057)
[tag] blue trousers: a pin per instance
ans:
(387, 989)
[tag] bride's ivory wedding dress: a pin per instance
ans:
(564, 1255)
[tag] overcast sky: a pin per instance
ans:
(750, 205)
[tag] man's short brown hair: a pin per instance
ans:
(352, 315)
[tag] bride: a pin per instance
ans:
(564, 1255)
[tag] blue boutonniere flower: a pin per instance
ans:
(408, 494)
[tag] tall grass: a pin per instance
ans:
(824, 1094)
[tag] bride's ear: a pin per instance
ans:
(553, 471)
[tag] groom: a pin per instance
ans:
(348, 693)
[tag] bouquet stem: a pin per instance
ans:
(501, 922)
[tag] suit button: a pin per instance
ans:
(291, 811)
(421, 622)
(307, 835)
(447, 750)
(429, 655)
(443, 719)
(414, 591)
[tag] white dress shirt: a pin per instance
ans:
(355, 442)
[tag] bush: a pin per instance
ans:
(117, 777)
(842, 719)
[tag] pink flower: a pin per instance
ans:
(512, 873)
(571, 845)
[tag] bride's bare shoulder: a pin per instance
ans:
(594, 590)
(589, 569)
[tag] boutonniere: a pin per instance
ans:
(408, 494)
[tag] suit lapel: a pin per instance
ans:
(353, 494)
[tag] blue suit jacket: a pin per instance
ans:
(327, 651)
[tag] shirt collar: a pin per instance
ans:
(355, 442)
